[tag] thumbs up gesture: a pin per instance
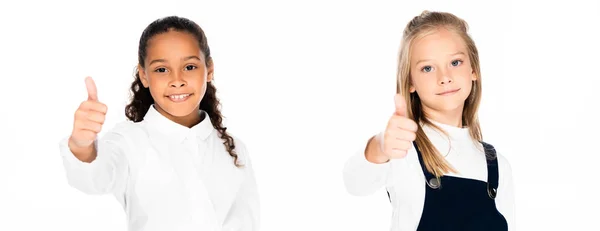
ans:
(89, 119)
(398, 136)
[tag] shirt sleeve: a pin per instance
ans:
(363, 178)
(244, 214)
(106, 174)
(506, 197)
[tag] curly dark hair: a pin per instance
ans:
(141, 100)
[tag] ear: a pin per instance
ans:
(412, 89)
(143, 77)
(473, 76)
(210, 70)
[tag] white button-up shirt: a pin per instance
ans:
(170, 177)
(405, 181)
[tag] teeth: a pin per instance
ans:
(179, 96)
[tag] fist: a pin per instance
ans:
(399, 134)
(89, 118)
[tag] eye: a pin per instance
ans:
(427, 69)
(456, 62)
(190, 67)
(161, 70)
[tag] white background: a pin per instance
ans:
(304, 84)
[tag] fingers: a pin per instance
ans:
(400, 133)
(90, 127)
(91, 89)
(93, 116)
(396, 153)
(84, 137)
(403, 123)
(397, 141)
(93, 106)
(89, 117)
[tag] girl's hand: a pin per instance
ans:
(396, 140)
(89, 119)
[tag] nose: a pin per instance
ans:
(177, 80)
(178, 84)
(444, 77)
(445, 80)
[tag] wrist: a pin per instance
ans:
(83, 153)
(373, 152)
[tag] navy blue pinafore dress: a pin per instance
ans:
(454, 203)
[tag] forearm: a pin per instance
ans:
(99, 169)
(366, 171)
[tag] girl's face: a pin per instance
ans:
(176, 74)
(441, 72)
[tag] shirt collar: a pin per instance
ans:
(163, 127)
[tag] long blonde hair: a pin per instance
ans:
(419, 27)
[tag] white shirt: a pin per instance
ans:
(404, 178)
(170, 177)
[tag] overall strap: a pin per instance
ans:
(432, 181)
(492, 169)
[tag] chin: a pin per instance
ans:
(180, 109)
(444, 105)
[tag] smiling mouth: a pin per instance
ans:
(179, 97)
(449, 92)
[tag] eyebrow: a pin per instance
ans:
(184, 59)
(424, 60)
(458, 53)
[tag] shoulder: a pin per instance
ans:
(504, 166)
(503, 162)
(241, 150)
(505, 181)
(240, 147)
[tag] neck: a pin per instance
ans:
(187, 121)
(450, 117)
